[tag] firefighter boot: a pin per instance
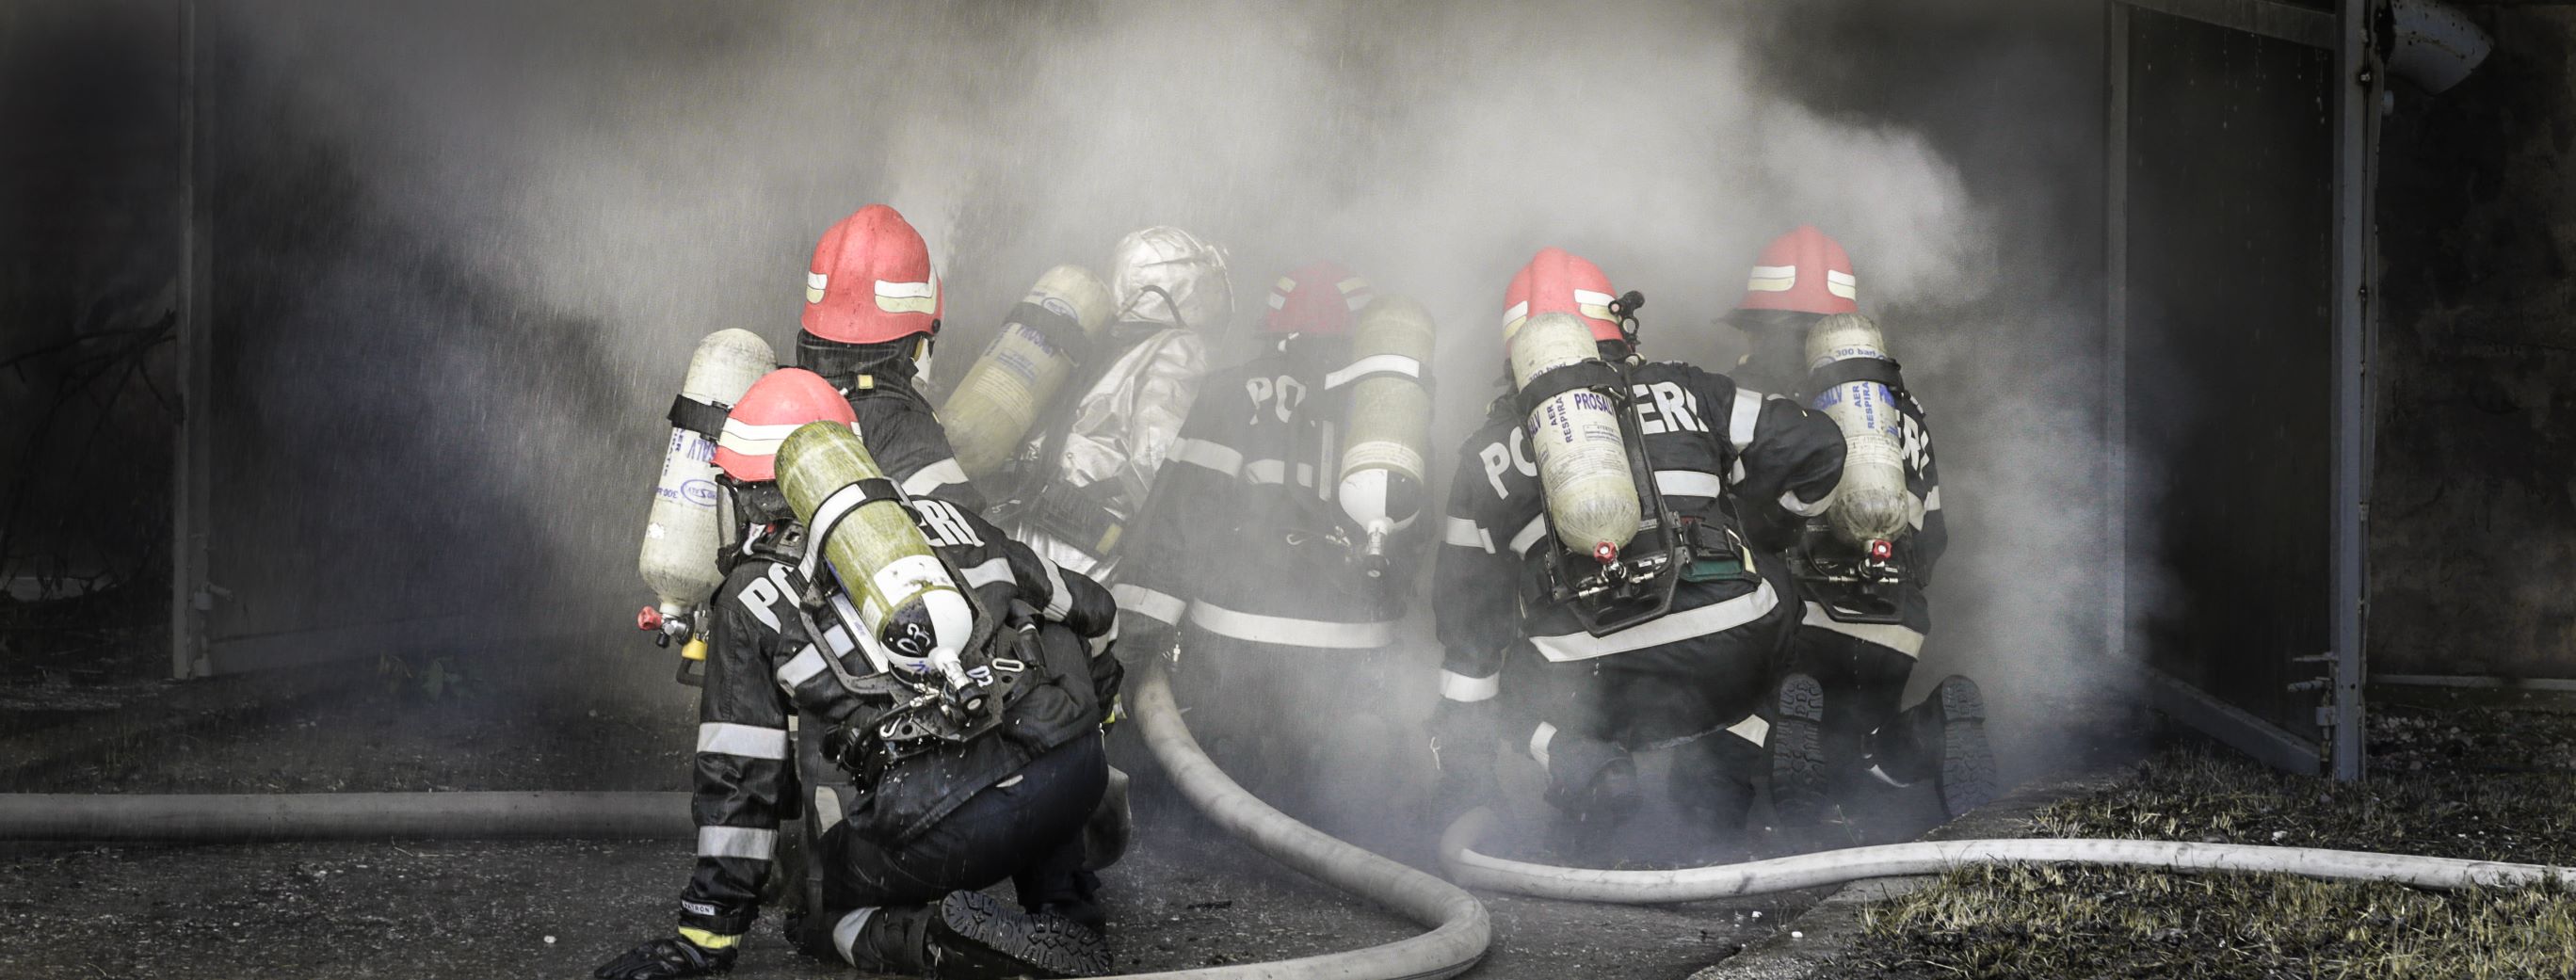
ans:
(1796, 744)
(1944, 739)
(969, 935)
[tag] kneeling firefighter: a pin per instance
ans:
(948, 685)
(1285, 531)
(872, 312)
(1861, 568)
(1593, 566)
(1083, 478)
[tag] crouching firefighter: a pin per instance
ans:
(1592, 564)
(1863, 567)
(1284, 533)
(948, 703)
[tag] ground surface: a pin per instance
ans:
(1185, 897)
(2470, 777)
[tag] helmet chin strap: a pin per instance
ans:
(1168, 303)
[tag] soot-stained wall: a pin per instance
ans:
(2473, 513)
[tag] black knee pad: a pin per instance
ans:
(1589, 778)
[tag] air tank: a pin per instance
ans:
(1390, 424)
(1872, 503)
(1001, 394)
(683, 531)
(1582, 451)
(905, 597)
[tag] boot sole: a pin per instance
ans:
(1797, 747)
(1017, 943)
(1967, 761)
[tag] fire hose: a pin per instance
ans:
(1475, 870)
(1460, 929)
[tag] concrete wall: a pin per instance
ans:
(2473, 514)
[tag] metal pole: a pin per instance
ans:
(187, 528)
(2356, 100)
(2115, 351)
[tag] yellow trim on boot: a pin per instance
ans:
(703, 939)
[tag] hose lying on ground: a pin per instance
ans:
(1460, 929)
(1474, 870)
(242, 818)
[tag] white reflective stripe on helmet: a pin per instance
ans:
(1464, 533)
(1753, 730)
(1688, 483)
(814, 284)
(1355, 293)
(1842, 284)
(1152, 604)
(754, 440)
(1716, 617)
(945, 473)
(1460, 687)
(1518, 313)
(1894, 636)
(1772, 279)
(1279, 301)
(1289, 631)
(800, 668)
(747, 843)
(1539, 737)
(1789, 502)
(993, 570)
(1375, 364)
(1200, 452)
(909, 297)
(1529, 534)
(1741, 421)
(746, 741)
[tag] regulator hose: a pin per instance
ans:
(1459, 928)
(1469, 868)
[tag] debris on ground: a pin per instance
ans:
(2475, 781)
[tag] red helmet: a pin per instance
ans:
(771, 409)
(1802, 272)
(1316, 299)
(1556, 281)
(871, 281)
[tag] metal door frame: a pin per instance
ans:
(2346, 31)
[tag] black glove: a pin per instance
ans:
(1463, 737)
(669, 956)
(1140, 639)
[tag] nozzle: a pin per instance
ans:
(1372, 558)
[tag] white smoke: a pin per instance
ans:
(663, 169)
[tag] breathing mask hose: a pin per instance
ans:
(1474, 870)
(1460, 929)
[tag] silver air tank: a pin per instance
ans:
(1382, 482)
(916, 614)
(1582, 452)
(1872, 503)
(684, 530)
(1000, 396)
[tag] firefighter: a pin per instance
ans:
(872, 312)
(1509, 601)
(1084, 477)
(1835, 724)
(1277, 593)
(899, 847)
